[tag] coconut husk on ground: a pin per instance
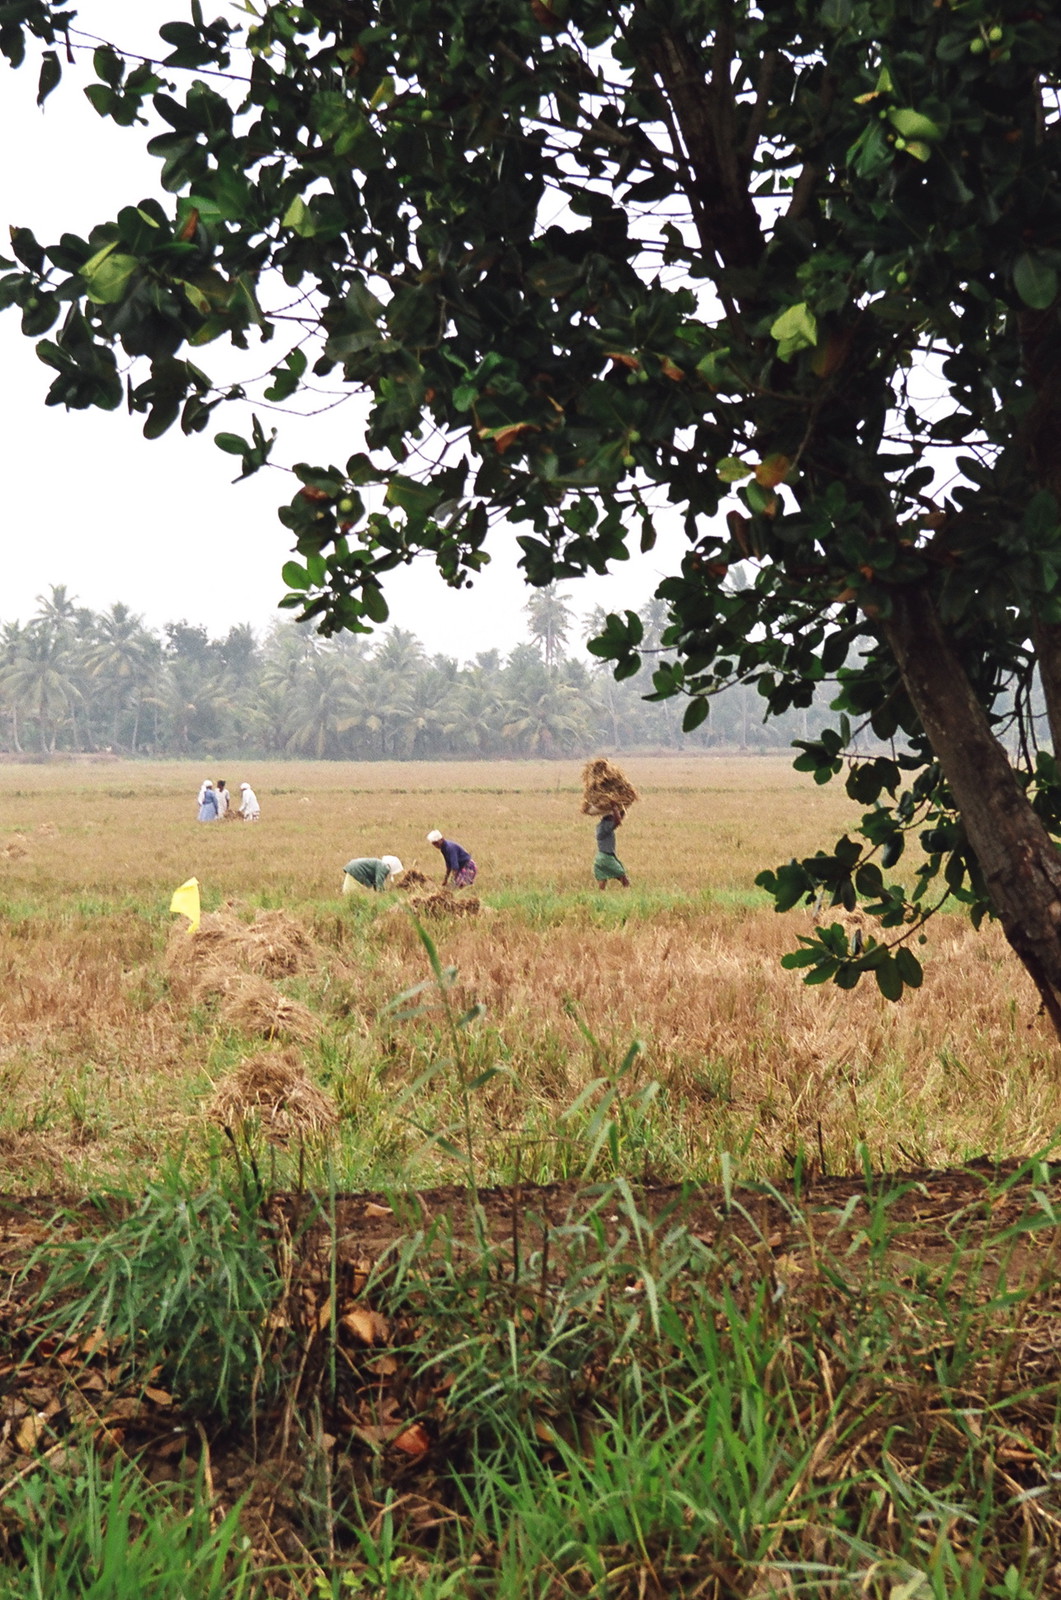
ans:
(444, 904)
(603, 787)
(411, 878)
(274, 1089)
(253, 1005)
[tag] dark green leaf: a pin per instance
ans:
(1035, 281)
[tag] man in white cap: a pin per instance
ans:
(459, 864)
(249, 809)
(371, 872)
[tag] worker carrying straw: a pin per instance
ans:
(606, 794)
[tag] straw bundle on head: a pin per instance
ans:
(274, 1089)
(603, 787)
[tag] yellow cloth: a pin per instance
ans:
(185, 903)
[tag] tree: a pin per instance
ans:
(324, 709)
(550, 619)
(38, 683)
(595, 263)
(124, 657)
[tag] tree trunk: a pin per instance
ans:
(1019, 862)
(1047, 637)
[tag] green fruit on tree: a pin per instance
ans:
(994, 35)
(634, 436)
(900, 142)
(902, 277)
(628, 460)
(345, 505)
(977, 47)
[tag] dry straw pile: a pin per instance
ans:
(411, 878)
(442, 903)
(604, 787)
(234, 961)
(273, 1090)
(252, 1005)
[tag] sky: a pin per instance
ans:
(89, 503)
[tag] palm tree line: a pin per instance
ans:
(76, 680)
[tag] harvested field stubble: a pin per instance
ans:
(114, 1022)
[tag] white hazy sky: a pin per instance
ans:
(89, 503)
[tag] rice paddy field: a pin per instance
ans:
(110, 1057)
(562, 1247)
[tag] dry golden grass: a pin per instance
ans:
(114, 1023)
(273, 1091)
(128, 829)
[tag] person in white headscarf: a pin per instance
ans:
(249, 809)
(371, 872)
(208, 808)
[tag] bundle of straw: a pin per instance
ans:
(603, 787)
(444, 904)
(274, 1089)
(411, 878)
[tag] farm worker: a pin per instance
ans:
(607, 864)
(371, 872)
(459, 864)
(208, 802)
(249, 809)
(224, 800)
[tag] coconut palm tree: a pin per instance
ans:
(548, 723)
(550, 619)
(124, 658)
(324, 708)
(38, 681)
(12, 644)
(429, 713)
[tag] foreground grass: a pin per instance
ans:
(624, 1409)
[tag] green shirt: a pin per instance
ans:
(367, 870)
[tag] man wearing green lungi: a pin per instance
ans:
(607, 864)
